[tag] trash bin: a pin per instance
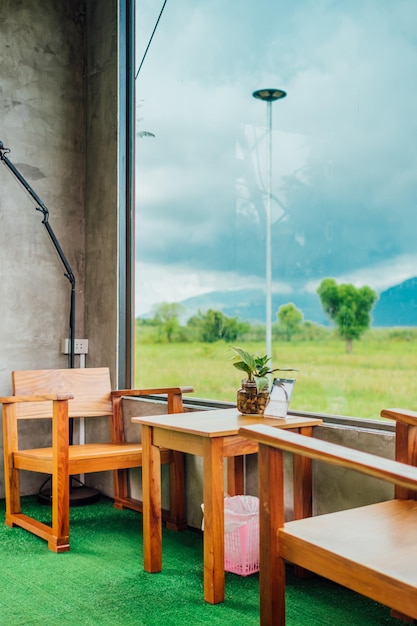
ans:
(241, 534)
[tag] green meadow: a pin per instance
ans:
(379, 373)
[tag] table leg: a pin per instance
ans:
(151, 496)
(213, 494)
(271, 517)
(235, 475)
(303, 491)
(303, 481)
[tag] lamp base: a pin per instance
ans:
(80, 495)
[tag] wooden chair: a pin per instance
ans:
(73, 393)
(370, 549)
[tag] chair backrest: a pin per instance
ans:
(90, 387)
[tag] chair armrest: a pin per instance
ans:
(148, 392)
(376, 466)
(174, 395)
(42, 398)
(401, 415)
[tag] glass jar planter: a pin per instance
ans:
(250, 401)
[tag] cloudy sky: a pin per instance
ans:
(344, 190)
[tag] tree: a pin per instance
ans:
(348, 306)
(166, 317)
(214, 325)
(290, 319)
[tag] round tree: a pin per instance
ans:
(348, 307)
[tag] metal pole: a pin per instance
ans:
(269, 96)
(268, 262)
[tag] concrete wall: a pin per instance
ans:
(336, 488)
(101, 197)
(42, 107)
(59, 117)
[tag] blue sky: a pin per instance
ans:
(344, 145)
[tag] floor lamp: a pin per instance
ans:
(82, 495)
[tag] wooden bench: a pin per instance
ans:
(65, 394)
(370, 549)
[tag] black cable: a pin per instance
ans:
(150, 40)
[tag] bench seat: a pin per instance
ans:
(371, 549)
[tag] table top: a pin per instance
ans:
(220, 422)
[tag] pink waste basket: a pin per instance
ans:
(241, 534)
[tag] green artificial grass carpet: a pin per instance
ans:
(101, 581)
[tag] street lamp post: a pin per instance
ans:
(269, 96)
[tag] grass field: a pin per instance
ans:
(380, 372)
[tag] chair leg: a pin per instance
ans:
(59, 538)
(11, 475)
(58, 541)
(121, 491)
(271, 517)
(402, 617)
(177, 516)
(12, 493)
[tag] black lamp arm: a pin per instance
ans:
(43, 209)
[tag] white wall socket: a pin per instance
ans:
(80, 346)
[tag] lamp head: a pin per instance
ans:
(269, 95)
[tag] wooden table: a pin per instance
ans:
(212, 435)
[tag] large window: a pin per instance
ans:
(337, 163)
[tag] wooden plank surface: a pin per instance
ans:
(370, 549)
(220, 422)
(78, 382)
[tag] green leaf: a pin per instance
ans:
(261, 382)
(240, 365)
(246, 357)
(256, 367)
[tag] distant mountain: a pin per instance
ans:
(397, 306)
(249, 304)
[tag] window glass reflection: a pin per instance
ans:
(342, 196)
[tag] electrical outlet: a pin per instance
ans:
(80, 346)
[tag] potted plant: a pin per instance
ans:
(254, 393)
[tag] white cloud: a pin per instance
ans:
(155, 284)
(378, 277)
(344, 156)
